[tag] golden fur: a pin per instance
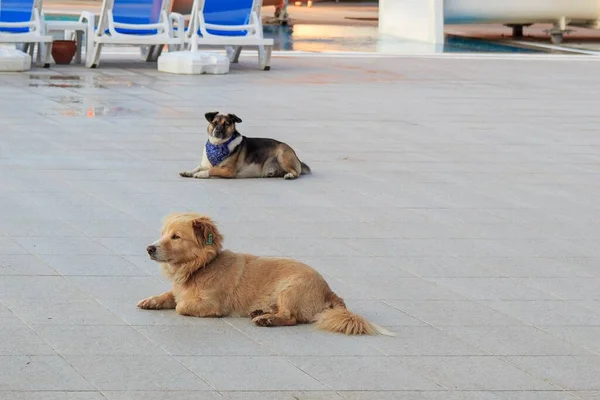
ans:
(211, 282)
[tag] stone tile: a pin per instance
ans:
(193, 340)
(424, 341)
(96, 265)
(588, 266)
(473, 373)
(43, 372)
(98, 340)
(17, 338)
(10, 246)
(583, 336)
(400, 247)
(539, 395)
(454, 194)
(128, 312)
(547, 313)
(162, 395)
(306, 339)
(62, 311)
(454, 313)
(127, 246)
(381, 313)
(566, 372)
(355, 267)
(53, 245)
(535, 267)
(33, 228)
(255, 246)
(120, 228)
(128, 288)
(492, 289)
(346, 290)
(251, 373)
(402, 288)
(23, 264)
(135, 373)
(38, 287)
(300, 248)
(54, 395)
(280, 395)
(515, 340)
(362, 373)
(568, 288)
(589, 395)
(145, 264)
(420, 395)
(590, 305)
(444, 267)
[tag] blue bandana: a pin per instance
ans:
(217, 153)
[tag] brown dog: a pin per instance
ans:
(211, 282)
(228, 154)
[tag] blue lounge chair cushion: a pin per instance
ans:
(137, 12)
(15, 11)
(227, 12)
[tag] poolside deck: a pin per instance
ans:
(366, 13)
(454, 201)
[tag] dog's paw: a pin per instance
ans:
(201, 175)
(264, 320)
(255, 313)
(151, 303)
(289, 176)
(186, 174)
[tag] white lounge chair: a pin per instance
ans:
(21, 21)
(132, 22)
(233, 24)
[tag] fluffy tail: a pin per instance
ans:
(339, 319)
(305, 169)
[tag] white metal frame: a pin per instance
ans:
(36, 35)
(70, 29)
(232, 44)
(97, 37)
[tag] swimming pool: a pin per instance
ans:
(339, 38)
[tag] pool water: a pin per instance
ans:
(336, 38)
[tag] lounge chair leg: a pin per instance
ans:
(156, 53)
(48, 54)
(93, 57)
(38, 56)
(264, 57)
(233, 53)
(150, 53)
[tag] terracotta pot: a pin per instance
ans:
(63, 51)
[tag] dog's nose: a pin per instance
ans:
(151, 249)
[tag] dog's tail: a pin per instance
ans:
(339, 319)
(305, 169)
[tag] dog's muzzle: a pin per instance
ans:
(218, 133)
(151, 251)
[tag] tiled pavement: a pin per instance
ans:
(455, 201)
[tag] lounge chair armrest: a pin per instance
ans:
(176, 18)
(88, 18)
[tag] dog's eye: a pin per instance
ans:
(175, 237)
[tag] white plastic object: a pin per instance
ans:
(13, 60)
(193, 63)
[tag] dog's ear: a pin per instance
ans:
(235, 118)
(206, 232)
(210, 115)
